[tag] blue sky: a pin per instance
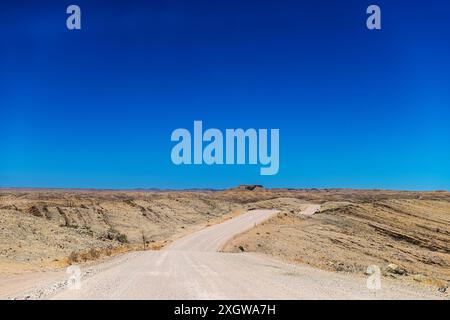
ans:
(95, 108)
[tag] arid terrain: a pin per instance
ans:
(407, 234)
(51, 228)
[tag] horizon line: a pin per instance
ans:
(217, 189)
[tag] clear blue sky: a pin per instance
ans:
(96, 107)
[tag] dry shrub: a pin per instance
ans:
(73, 257)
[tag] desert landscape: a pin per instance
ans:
(406, 234)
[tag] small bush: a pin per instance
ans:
(93, 254)
(113, 234)
(122, 238)
(73, 257)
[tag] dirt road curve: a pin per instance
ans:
(309, 211)
(191, 268)
(214, 237)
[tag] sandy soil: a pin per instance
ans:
(347, 237)
(191, 268)
(49, 229)
(41, 229)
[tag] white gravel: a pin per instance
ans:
(192, 268)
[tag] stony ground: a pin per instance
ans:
(407, 237)
(355, 228)
(44, 228)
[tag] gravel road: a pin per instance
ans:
(192, 268)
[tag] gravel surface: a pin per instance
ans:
(191, 268)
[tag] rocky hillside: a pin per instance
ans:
(355, 228)
(39, 228)
(406, 238)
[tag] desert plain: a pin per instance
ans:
(405, 233)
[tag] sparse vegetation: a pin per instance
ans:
(355, 227)
(408, 238)
(39, 227)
